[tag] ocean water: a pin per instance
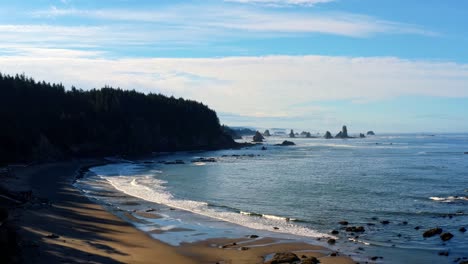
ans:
(415, 182)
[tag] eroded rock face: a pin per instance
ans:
(286, 257)
(258, 137)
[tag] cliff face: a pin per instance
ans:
(45, 122)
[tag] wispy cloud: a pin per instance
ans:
(282, 2)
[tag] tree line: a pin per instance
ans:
(43, 121)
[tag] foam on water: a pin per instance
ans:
(449, 199)
(148, 188)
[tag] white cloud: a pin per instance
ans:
(282, 2)
(271, 86)
(241, 22)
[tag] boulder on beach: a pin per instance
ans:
(432, 232)
(370, 133)
(310, 260)
(286, 257)
(328, 135)
(286, 143)
(258, 137)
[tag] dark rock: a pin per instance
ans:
(258, 137)
(385, 222)
(376, 258)
(286, 143)
(404, 223)
(328, 135)
(267, 133)
(263, 148)
(243, 248)
(462, 229)
(335, 232)
(333, 254)
(357, 229)
(361, 135)
(444, 253)
(286, 257)
(311, 260)
(331, 241)
(291, 134)
(343, 133)
(303, 256)
(253, 236)
(417, 228)
(432, 232)
(150, 210)
(204, 160)
(446, 236)
(465, 152)
(370, 133)
(275, 228)
(53, 236)
(343, 223)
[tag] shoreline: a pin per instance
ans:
(86, 231)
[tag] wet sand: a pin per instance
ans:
(66, 227)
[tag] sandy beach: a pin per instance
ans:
(64, 226)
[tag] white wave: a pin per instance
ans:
(449, 199)
(151, 189)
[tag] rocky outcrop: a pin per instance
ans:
(343, 133)
(361, 135)
(291, 134)
(267, 133)
(355, 229)
(370, 133)
(258, 137)
(286, 257)
(432, 232)
(306, 134)
(310, 260)
(286, 143)
(446, 236)
(328, 135)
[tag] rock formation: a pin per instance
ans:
(258, 137)
(286, 143)
(370, 133)
(361, 135)
(343, 133)
(267, 133)
(291, 134)
(328, 135)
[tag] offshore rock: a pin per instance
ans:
(446, 236)
(328, 135)
(286, 143)
(343, 133)
(361, 135)
(291, 134)
(267, 133)
(432, 232)
(258, 137)
(370, 133)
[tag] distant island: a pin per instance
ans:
(43, 121)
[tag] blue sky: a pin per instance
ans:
(387, 65)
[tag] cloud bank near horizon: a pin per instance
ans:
(267, 88)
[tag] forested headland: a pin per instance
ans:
(43, 121)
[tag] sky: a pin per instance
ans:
(315, 65)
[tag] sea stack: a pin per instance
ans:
(328, 135)
(370, 133)
(258, 137)
(291, 134)
(343, 133)
(267, 133)
(361, 135)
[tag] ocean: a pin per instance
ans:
(395, 186)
